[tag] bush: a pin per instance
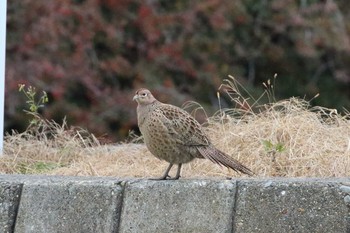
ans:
(89, 55)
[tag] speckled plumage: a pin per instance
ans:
(173, 135)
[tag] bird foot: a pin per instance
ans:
(173, 178)
(167, 177)
(158, 178)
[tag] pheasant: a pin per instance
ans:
(172, 134)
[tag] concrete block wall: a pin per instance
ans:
(105, 204)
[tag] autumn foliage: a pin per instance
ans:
(90, 55)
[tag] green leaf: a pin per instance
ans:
(280, 147)
(267, 144)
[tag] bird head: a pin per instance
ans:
(143, 97)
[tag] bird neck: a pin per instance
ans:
(144, 109)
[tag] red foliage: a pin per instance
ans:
(89, 55)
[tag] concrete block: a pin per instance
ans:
(178, 206)
(287, 205)
(10, 193)
(69, 204)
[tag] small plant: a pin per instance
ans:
(33, 103)
(37, 167)
(273, 149)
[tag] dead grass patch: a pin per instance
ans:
(287, 138)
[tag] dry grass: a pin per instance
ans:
(286, 138)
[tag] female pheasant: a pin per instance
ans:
(173, 135)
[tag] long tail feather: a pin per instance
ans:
(219, 157)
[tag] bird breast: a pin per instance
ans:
(162, 139)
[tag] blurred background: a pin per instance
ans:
(91, 55)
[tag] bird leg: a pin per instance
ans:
(177, 176)
(166, 173)
(166, 176)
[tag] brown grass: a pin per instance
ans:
(286, 138)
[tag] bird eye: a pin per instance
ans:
(144, 94)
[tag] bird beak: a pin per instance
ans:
(135, 97)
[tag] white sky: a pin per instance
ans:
(2, 67)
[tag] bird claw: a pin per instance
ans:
(173, 178)
(167, 177)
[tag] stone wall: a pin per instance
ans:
(105, 204)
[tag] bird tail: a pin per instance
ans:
(219, 157)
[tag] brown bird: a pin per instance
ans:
(173, 135)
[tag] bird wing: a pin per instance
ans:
(182, 126)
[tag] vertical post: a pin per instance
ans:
(3, 10)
